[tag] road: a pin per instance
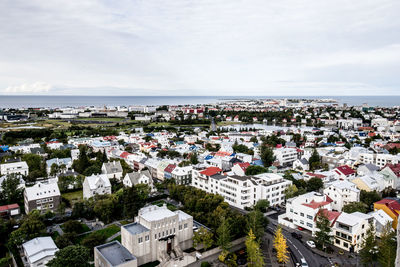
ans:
(299, 249)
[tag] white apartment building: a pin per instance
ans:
(97, 184)
(157, 234)
(242, 191)
(14, 167)
(301, 210)
(379, 160)
(285, 155)
(350, 229)
(342, 193)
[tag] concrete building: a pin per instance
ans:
(42, 197)
(112, 255)
(14, 167)
(285, 155)
(342, 193)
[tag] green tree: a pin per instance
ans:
(254, 170)
(11, 193)
(322, 236)
(72, 226)
(261, 205)
(355, 206)
(104, 209)
(387, 247)
(256, 223)
(203, 237)
(315, 160)
(255, 257)
(193, 159)
(314, 184)
(369, 198)
(368, 253)
(94, 239)
(267, 155)
(32, 226)
(71, 256)
(224, 235)
(291, 191)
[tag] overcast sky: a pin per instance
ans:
(210, 47)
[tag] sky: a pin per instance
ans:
(202, 47)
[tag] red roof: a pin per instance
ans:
(211, 171)
(395, 168)
(316, 175)
(243, 165)
(346, 170)
(331, 215)
(9, 207)
(315, 205)
(392, 203)
(124, 154)
(170, 168)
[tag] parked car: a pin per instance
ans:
(297, 236)
(299, 228)
(304, 262)
(310, 243)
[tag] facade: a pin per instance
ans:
(42, 197)
(65, 161)
(134, 178)
(39, 251)
(113, 170)
(381, 219)
(157, 234)
(342, 193)
(14, 167)
(391, 206)
(285, 155)
(242, 191)
(182, 175)
(97, 184)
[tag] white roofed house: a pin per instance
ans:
(42, 197)
(342, 193)
(301, 164)
(141, 177)
(39, 251)
(113, 170)
(14, 167)
(182, 175)
(381, 218)
(58, 162)
(97, 184)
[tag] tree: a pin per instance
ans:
(104, 209)
(267, 155)
(368, 253)
(369, 198)
(31, 227)
(254, 170)
(322, 236)
(291, 191)
(11, 193)
(71, 256)
(94, 239)
(262, 205)
(193, 159)
(254, 255)
(315, 160)
(387, 246)
(281, 246)
(355, 206)
(203, 237)
(314, 184)
(72, 226)
(256, 223)
(224, 235)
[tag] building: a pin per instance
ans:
(7, 211)
(391, 206)
(141, 177)
(113, 170)
(42, 197)
(97, 184)
(240, 168)
(112, 255)
(242, 191)
(342, 193)
(381, 220)
(345, 172)
(39, 251)
(67, 162)
(182, 175)
(350, 230)
(285, 155)
(14, 167)
(157, 234)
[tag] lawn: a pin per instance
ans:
(74, 196)
(123, 222)
(118, 238)
(110, 230)
(84, 228)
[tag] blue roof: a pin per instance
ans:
(257, 162)
(4, 148)
(208, 157)
(233, 154)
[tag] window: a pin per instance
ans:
(345, 244)
(147, 238)
(301, 214)
(309, 225)
(180, 227)
(140, 239)
(337, 241)
(185, 225)
(155, 236)
(309, 217)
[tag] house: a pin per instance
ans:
(301, 164)
(168, 171)
(240, 168)
(381, 220)
(367, 183)
(350, 229)
(113, 170)
(182, 175)
(42, 197)
(14, 167)
(392, 171)
(391, 206)
(285, 155)
(7, 211)
(39, 251)
(141, 177)
(345, 172)
(97, 184)
(342, 193)
(367, 169)
(113, 254)
(302, 210)
(157, 234)
(67, 162)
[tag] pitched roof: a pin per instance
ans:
(9, 207)
(395, 168)
(331, 215)
(346, 170)
(392, 203)
(113, 167)
(170, 168)
(211, 171)
(243, 165)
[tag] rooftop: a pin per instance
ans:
(115, 253)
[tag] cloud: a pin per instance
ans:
(209, 47)
(32, 88)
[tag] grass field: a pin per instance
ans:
(73, 197)
(110, 230)
(226, 123)
(84, 228)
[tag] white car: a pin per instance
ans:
(310, 243)
(304, 262)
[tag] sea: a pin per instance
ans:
(39, 101)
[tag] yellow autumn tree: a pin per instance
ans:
(281, 246)
(254, 255)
